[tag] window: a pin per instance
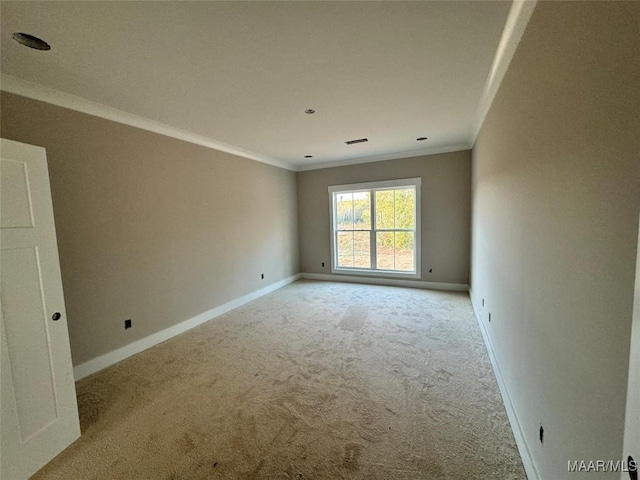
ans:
(375, 228)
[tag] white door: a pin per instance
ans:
(39, 414)
(631, 452)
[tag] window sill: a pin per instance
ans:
(375, 273)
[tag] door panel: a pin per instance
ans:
(31, 374)
(16, 201)
(632, 419)
(39, 411)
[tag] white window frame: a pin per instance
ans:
(372, 187)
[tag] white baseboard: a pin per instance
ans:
(523, 447)
(96, 364)
(391, 282)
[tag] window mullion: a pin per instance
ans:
(334, 233)
(395, 249)
(372, 234)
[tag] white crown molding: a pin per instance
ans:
(517, 20)
(48, 95)
(386, 156)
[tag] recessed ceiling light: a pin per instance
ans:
(309, 111)
(31, 41)
(420, 139)
(308, 156)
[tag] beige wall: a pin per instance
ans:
(556, 195)
(445, 204)
(152, 228)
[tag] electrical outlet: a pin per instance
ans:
(127, 324)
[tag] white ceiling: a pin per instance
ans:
(243, 73)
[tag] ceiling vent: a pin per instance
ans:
(359, 140)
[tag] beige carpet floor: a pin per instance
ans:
(317, 380)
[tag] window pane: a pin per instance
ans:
(362, 249)
(344, 211)
(393, 223)
(384, 209)
(405, 206)
(385, 247)
(362, 210)
(345, 249)
(405, 251)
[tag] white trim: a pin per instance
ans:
(386, 156)
(384, 184)
(48, 95)
(518, 433)
(373, 273)
(372, 187)
(96, 364)
(517, 20)
(41, 93)
(390, 282)
(631, 436)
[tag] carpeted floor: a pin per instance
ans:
(314, 381)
